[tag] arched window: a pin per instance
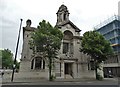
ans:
(68, 42)
(38, 63)
(68, 35)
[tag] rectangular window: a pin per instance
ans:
(91, 65)
(65, 47)
(37, 49)
(43, 64)
(60, 69)
(71, 48)
(38, 63)
(32, 64)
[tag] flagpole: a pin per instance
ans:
(14, 64)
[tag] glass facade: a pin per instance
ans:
(111, 31)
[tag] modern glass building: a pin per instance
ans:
(110, 29)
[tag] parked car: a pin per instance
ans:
(108, 76)
(7, 71)
(3, 71)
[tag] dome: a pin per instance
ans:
(63, 8)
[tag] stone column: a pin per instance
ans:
(34, 64)
(74, 70)
(61, 48)
(62, 69)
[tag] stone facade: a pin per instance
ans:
(71, 63)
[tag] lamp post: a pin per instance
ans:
(16, 51)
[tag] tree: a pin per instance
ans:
(47, 40)
(17, 65)
(7, 58)
(96, 46)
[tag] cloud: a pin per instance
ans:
(119, 8)
(2, 5)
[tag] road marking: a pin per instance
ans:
(25, 83)
(77, 82)
(89, 82)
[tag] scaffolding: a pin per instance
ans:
(109, 20)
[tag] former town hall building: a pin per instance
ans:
(71, 63)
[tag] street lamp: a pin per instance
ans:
(16, 51)
(14, 66)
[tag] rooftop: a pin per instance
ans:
(63, 8)
(109, 20)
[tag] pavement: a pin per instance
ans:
(6, 80)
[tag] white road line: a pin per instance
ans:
(89, 82)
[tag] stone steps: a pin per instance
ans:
(67, 76)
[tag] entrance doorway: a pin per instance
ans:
(68, 69)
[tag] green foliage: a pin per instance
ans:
(47, 41)
(17, 65)
(46, 38)
(52, 78)
(7, 58)
(95, 45)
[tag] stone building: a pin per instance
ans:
(71, 63)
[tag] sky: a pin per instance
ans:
(85, 14)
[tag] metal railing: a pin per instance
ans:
(109, 20)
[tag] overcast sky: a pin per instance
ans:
(85, 14)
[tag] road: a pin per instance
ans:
(105, 82)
